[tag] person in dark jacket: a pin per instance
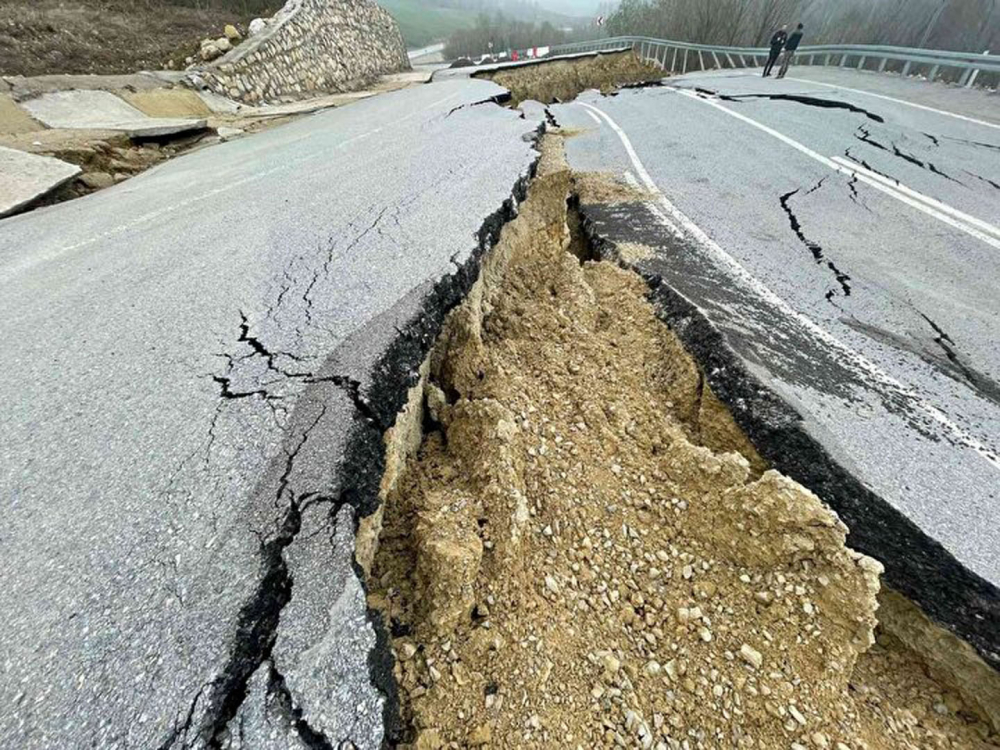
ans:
(790, 48)
(777, 43)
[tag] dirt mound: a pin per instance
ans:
(578, 547)
(562, 80)
(39, 37)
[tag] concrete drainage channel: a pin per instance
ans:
(576, 546)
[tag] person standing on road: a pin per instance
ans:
(790, 48)
(777, 43)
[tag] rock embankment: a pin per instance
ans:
(310, 46)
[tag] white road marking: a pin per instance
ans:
(898, 101)
(594, 117)
(941, 211)
(845, 353)
(943, 207)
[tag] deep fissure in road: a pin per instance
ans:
(551, 81)
(214, 718)
(577, 547)
(700, 420)
(810, 101)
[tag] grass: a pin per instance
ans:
(422, 25)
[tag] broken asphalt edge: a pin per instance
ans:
(916, 565)
(358, 478)
(396, 371)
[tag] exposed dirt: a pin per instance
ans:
(38, 37)
(106, 157)
(577, 547)
(563, 80)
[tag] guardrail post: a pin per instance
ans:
(730, 58)
(974, 74)
(685, 69)
(906, 69)
(827, 61)
(843, 61)
(881, 65)
(861, 62)
(716, 58)
(933, 74)
(673, 62)
(743, 61)
(701, 60)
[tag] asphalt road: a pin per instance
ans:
(186, 359)
(799, 218)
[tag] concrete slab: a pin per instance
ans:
(24, 178)
(101, 110)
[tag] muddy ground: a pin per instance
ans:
(562, 80)
(38, 37)
(578, 548)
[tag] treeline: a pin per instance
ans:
(506, 33)
(962, 25)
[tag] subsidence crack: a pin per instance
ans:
(814, 247)
(811, 101)
(257, 625)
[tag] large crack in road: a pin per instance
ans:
(513, 610)
(577, 546)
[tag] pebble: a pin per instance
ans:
(611, 664)
(751, 656)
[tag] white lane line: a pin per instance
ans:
(28, 262)
(594, 117)
(844, 352)
(898, 101)
(943, 207)
(888, 187)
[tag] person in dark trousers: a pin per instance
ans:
(777, 43)
(790, 47)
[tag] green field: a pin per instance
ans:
(422, 25)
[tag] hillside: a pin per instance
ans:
(38, 37)
(422, 25)
(424, 22)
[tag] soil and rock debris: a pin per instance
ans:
(562, 80)
(41, 37)
(577, 547)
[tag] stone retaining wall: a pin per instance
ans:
(309, 47)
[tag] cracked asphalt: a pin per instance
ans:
(874, 319)
(188, 371)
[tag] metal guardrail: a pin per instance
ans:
(674, 56)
